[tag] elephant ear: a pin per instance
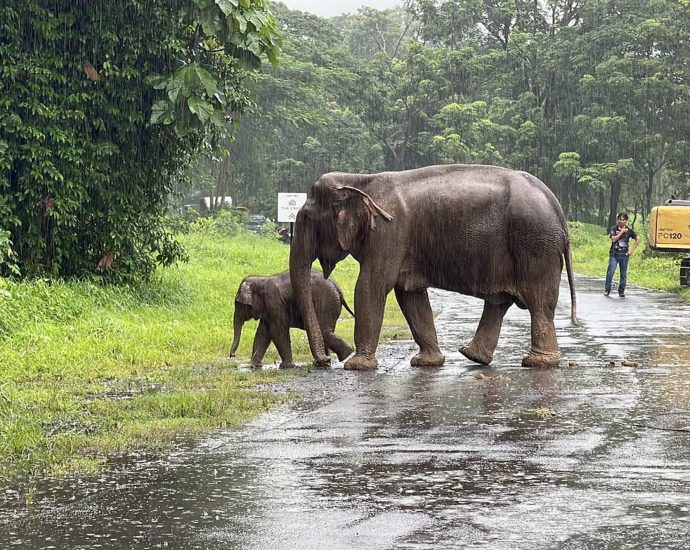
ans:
(358, 212)
(347, 226)
(258, 305)
(244, 294)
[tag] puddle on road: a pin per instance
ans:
(514, 458)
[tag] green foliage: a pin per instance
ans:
(8, 259)
(269, 230)
(568, 165)
(100, 108)
(527, 85)
(179, 224)
(205, 87)
(304, 124)
(583, 236)
(226, 223)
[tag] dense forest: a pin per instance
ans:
(591, 96)
(111, 117)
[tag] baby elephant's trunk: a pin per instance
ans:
(237, 325)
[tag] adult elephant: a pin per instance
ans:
(485, 231)
(271, 299)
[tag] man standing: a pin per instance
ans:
(620, 252)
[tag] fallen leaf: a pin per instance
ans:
(572, 363)
(542, 413)
(106, 261)
(91, 72)
(48, 203)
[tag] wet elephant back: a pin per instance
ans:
(463, 224)
(457, 238)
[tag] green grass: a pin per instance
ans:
(87, 371)
(647, 268)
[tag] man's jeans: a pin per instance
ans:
(613, 262)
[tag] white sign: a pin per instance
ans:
(289, 204)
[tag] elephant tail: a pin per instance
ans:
(342, 300)
(571, 282)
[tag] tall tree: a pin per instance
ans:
(100, 107)
(304, 124)
(588, 95)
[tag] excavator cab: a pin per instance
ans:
(669, 231)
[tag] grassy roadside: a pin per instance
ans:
(88, 371)
(647, 268)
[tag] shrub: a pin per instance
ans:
(8, 259)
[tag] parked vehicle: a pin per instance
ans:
(255, 222)
(669, 231)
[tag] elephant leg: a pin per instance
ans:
(416, 308)
(540, 295)
(544, 351)
(262, 340)
(481, 349)
(280, 334)
(370, 301)
(341, 348)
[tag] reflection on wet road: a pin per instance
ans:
(584, 456)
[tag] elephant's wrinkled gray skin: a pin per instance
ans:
(485, 231)
(271, 300)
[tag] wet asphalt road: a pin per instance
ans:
(585, 456)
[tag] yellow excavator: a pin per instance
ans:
(669, 231)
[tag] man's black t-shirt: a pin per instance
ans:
(620, 247)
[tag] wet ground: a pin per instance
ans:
(594, 454)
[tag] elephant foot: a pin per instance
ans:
(473, 353)
(361, 362)
(541, 360)
(344, 353)
(255, 365)
(428, 359)
(323, 363)
(287, 365)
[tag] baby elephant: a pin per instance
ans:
(271, 300)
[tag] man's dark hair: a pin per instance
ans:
(623, 215)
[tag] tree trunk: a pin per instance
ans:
(649, 190)
(565, 200)
(613, 201)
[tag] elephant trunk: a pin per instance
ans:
(238, 322)
(302, 255)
